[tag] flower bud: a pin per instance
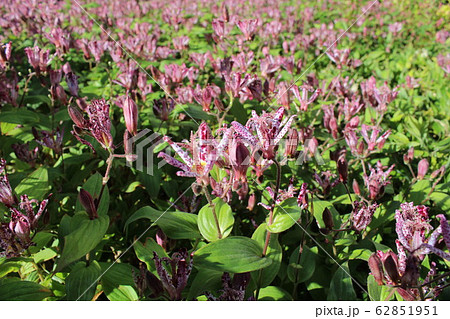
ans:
(409, 156)
(161, 239)
(76, 116)
(130, 112)
(327, 219)
(87, 202)
(376, 268)
(6, 194)
(21, 228)
(81, 102)
(292, 143)
(72, 83)
(342, 168)
(423, 168)
(239, 158)
(251, 202)
(390, 266)
(59, 93)
(356, 189)
(437, 172)
(66, 68)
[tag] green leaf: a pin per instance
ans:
(284, 216)
(86, 235)
(419, 191)
(20, 116)
(44, 255)
(94, 186)
(341, 287)
(273, 293)
(144, 252)
(305, 269)
(233, 254)
(274, 253)
(117, 282)
(82, 281)
(442, 200)
(12, 289)
(362, 254)
(176, 225)
(377, 292)
(10, 265)
(207, 224)
(205, 280)
(35, 185)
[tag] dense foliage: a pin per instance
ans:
(224, 150)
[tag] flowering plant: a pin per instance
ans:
(224, 151)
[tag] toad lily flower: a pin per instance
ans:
(270, 129)
(204, 149)
(98, 125)
(412, 226)
(377, 180)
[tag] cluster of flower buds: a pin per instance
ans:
(52, 140)
(98, 124)
(15, 235)
(270, 129)
(38, 58)
(370, 140)
(377, 180)
(233, 289)
(377, 97)
(181, 268)
(237, 150)
(248, 28)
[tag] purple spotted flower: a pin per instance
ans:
(98, 124)
(174, 282)
(377, 180)
(270, 128)
(204, 149)
(362, 215)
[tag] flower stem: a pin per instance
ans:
(211, 204)
(268, 234)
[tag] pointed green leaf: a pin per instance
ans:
(233, 254)
(176, 225)
(341, 287)
(207, 223)
(274, 253)
(83, 238)
(82, 281)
